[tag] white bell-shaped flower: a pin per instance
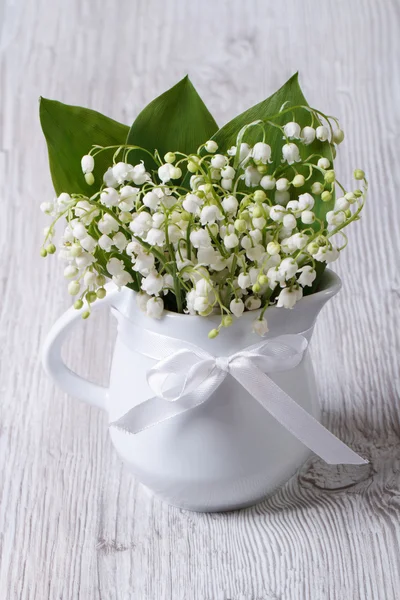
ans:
(138, 174)
(109, 178)
(155, 237)
(236, 307)
(260, 326)
(231, 241)
(210, 214)
(228, 172)
(307, 135)
(230, 205)
(141, 223)
(244, 153)
(292, 130)
(252, 303)
(268, 182)
(200, 238)
(109, 197)
(290, 153)
(322, 133)
(107, 224)
(282, 184)
(153, 283)
(261, 153)
(288, 268)
(252, 177)
(155, 308)
(307, 276)
(192, 203)
(87, 163)
(306, 201)
(287, 298)
(115, 266)
(219, 161)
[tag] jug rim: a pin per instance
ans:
(329, 286)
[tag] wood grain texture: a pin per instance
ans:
(73, 524)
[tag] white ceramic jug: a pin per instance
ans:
(225, 454)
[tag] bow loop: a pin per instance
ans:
(179, 374)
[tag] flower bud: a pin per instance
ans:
(317, 188)
(78, 304)
(273, 248)
(338, 136)
(100, 280)
(192, 167)
(350, 197)
(227, 321)
(359, 174)
(329, 176)
(170, 157)
(262, 169)
(256, 288)
(298, 181)
(43, 252)
(213, 333)
(263, 280)
(259, 196)
(175, 173)
(73, 288)
(86, 314)
(258, 212)
(240, 225)
(89, 178)
(50, 249)
(326, 196)
(312, 248)
(91, 297)
(101, 293)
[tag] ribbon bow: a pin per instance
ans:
(184, 378)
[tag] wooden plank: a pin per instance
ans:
(73, 524)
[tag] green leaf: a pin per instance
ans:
(70, 132)
(178, 120)
(291, 93)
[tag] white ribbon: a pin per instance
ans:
(186, 376)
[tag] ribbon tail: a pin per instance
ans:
(147, 414)
(293, 417)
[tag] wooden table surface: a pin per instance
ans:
(73, 524)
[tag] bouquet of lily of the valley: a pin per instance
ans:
(193, 218)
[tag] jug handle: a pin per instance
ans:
(52, 361)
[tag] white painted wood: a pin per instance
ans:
(73, 524)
